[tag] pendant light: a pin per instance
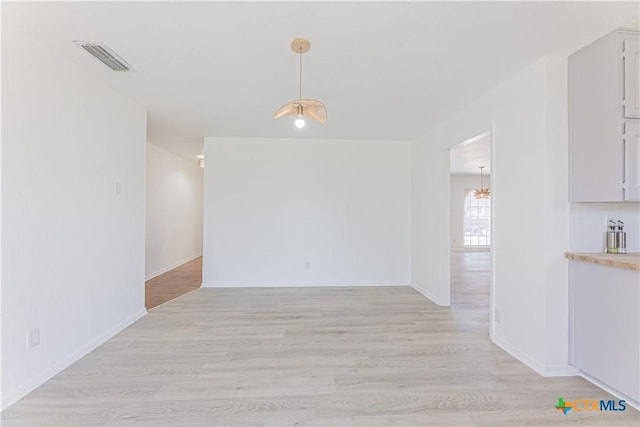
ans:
(302, 108)
(481, 193)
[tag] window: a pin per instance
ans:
(477, 221)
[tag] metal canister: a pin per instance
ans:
(612, 242)
(621, 241)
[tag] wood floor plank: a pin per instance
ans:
(311, 357)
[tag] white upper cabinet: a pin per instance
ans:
(631, 173)
(603, 113)
(631, 59)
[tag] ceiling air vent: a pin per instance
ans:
(106, 56)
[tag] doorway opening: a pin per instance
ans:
(470, 228)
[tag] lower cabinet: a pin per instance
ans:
(605, 325)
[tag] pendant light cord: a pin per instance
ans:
(300, 84)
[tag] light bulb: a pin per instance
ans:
(300, 121)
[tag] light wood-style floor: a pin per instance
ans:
(310, 356)
(173, 283)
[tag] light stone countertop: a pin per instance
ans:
(629, 261)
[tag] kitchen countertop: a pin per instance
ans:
(629, 261)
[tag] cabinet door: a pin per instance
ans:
(604, 325)
(631, 58)
(631, 141)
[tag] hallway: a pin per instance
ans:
(173, 283)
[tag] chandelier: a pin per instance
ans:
(481, 193)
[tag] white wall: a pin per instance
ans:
(460, 186)
(588, 225)
(72, 250)
(174, 210)
(528, 120)
(427, 253)
(272, 206)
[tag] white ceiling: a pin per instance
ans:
(385, 70)
(467, 157)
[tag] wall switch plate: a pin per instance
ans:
(307, 265)
(33, 338)
(118, 188)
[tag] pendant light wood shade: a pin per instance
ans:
(309, 108)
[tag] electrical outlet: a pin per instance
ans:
(497, 315)
(33, 338)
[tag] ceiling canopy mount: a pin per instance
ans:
(300, 45)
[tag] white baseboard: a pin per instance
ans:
(12, 396)
(610, 390)
(428, 295)
(520, 355)
(540, 368)
(292, 285)
(560, 371)
(172, 266)
(471, 249)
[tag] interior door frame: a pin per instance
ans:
(445, 214)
